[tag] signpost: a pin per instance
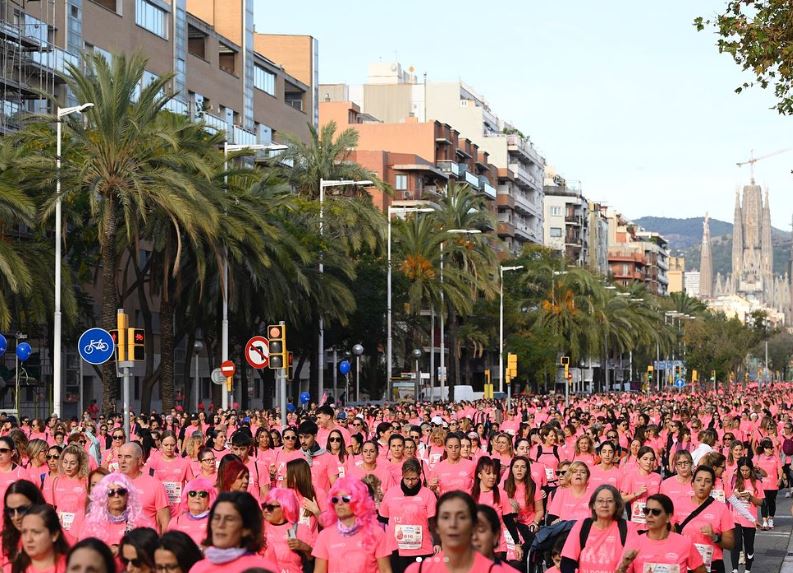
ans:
(679, 383)
(217, 376)
(228, 369)
(257, 352)
(96, 346)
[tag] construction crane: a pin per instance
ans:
(752, 159)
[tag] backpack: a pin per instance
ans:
(586, 526)
(555, 453)
(787, 447)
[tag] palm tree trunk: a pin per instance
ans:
(166, 352)
(454, 357)
(109, 306)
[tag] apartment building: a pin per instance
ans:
(392, 94)
(636, 255)
(598, 238)
(418, 159)
(566, 219)
(677, 274)
(253, 86)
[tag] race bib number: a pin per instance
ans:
(718, 495)
(661, 568)
(435, 458)
(637, 513)
(409, 537)
(112, 466)
(174, 491)
(341, 471)
(550, 475)
(706, 552)
(304, 519)
(67, 519)
(510, 542)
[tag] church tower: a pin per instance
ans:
(767, 251)
(737, 244)
(705, 263)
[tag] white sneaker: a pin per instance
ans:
(787, 493)
(764, 526)
(741, 560)
(770, 523)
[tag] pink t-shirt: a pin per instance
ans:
(566, 505)
(675, 552)
(37, 474)
(503, 507)
(598, 476)
(236, 566)
(278, 550)
(152, 496)
(7, 478)
(357, 553)
(173, 474)
(772, 468)
(68, 496)
(195, 528)
(454, 476)
(526, 511)
(717, 515)
(602, 550)
(408, 529)
(437, 564)
(632, 484)
(678, 492)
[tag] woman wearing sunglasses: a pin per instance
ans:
(192, 514)
(68, 491)
(352, 542)
(43, 548)
(336, 447)
(18, 499)
(10, 471)
(660, 549)
(137, 550)
(234, 536)
(287, 540)
(110, 455)
(290, 451)
(114, 509)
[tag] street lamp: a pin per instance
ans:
(357, 350)
(224, 346)
(417, 356)
(389, 338)
(57, 384)
(197, 346)
(443, 311)
(324, 184)
(501, 271)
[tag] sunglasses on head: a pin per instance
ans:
(196, 493)
(271, 507)
(654, 510)
(120, 492)
(345, 498)
(21, 510)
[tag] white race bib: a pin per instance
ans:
(409, 537)
(661, 568)
(718, 495)
(509, 540)
(637, 512)
(67, 519)
(174, 491)
(341, 471)
(550, 475)
(706, 552)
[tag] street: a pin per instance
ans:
(771, 547)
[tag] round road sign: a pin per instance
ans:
(257, 352)
(96, 346)
(228, 369)
(217, 376)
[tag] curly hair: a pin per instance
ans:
(287, 499)
(197, 484)
(362, 506)
(98, 516)
(82, 460)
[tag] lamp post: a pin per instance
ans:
(389, 339)
(442, 378)
(324, 184)
(197, 346)
(57, 383)
(224, 346)
(501, 271)
(357, 350)
(417, 356)
(555, 274)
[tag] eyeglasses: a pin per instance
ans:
(334, 439)
(21, 510)
(5, 450)
(137, 562)
(271, 507)
(290, 438)
(208, 460)
(654, 510)
(118, 437)
(120, 492)
(683, 464)
(53, 456)
(336, 500)
(196, 493)
(81, 442)
(357, 424)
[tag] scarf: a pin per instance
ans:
(118, 518)
(315, 451)
(348, 531)
(199, 516)
(410, 491)
(221, 556)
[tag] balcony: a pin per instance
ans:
(627, 275)
(505, 200)
(524, 204)
(626, 256)
(213, 122)
(517, 144)
(573, 219)
(523, 175)
(242, 136)
(448, 166)
(487, 188)
(54, 59)
(505, 228)
(177, 106)
(472, 179)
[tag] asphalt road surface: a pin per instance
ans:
(772, 547)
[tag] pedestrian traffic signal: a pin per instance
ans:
(650, 373)
(512, 366)
(276, 335)
(136, 339)
(565, 360)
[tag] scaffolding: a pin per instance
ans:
(31, 65)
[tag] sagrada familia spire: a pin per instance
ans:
(705, 262)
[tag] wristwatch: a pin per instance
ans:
(717, 538)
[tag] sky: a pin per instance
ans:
(624, 96)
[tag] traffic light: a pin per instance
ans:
(276, 335)
(122, 321)
(650, 373)
(136, 339)
(512, 366)
(565, 361)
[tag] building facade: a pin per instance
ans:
(677, 274)
(566, 219)
(637, 256)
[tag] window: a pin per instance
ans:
(227, 59)
(401, 183)
(151, 18)
(556, 231)
(264, 80)
(556, 211)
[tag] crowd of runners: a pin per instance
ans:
(621, 482)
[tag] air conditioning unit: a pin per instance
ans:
(407, 195)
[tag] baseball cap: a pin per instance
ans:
(437, 420)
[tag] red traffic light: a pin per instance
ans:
(139, 338)
(274, 332)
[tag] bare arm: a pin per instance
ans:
(163, 518)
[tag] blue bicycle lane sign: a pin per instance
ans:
(96, 346)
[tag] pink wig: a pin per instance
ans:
(98, 516)
(197, 484)
(361, 503)
(287, 499)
